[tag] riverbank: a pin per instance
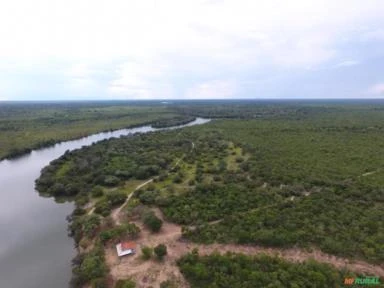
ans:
(95, 138)
(219, 192)
(19, 152)
(177, 121)
(27, 126)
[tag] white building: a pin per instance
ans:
(125, 248)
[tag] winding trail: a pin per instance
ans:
(152, 273)
(370, 173)
(116, 212)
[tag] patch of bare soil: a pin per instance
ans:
(151, 273)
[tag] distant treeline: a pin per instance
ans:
(28, 126)
(176, 121)
(18, 152)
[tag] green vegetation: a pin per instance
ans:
(125, 231)
(91, 231)
(109, 163)
(116, 198)
(125, 284)
(236, 270)
(305, 176)
(160, 251)
(176, 121)
(84, 226)
(89, 266)
(146, 252)
(316, 190)
(340, 222)
(235, 109)
(209, 202)
(168, 284)
(152, 221)
(25, 126)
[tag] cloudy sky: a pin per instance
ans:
(197, 49)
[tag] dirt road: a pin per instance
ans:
(152, 273)
(116, 212)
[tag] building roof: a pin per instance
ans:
(128, 245)
(128, 249)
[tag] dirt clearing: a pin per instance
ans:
(152, 272)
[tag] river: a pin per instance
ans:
(35, 251)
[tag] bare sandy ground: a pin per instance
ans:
(151, 273)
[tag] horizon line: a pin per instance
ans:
(184, 99)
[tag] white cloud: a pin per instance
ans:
(131, 48)
(347, 63)
(83, 80)
(81, 70)
(102, 29)
(140, 80)
(377, 90)
(215, 89)
(376, 34)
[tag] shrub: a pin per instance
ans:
(160, 251)
(148, 197)
(177, 179)
(129, 230)
(111, 181)
(167, 284)
(116, 198)
(91, 266)
(147, 252)
(78, 212)
(97, 191)
(81, 199)
(103, 208)
(125, 284)
(152, 221)
(216, 178)
(91, 224)
(239, 159)
(99, 283)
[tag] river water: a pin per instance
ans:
(35, 251)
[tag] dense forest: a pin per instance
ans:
(241, 271)
(111, 162)
(175, 121)
(312, 179)
(25, 126)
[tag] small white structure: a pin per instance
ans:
(125, 248)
